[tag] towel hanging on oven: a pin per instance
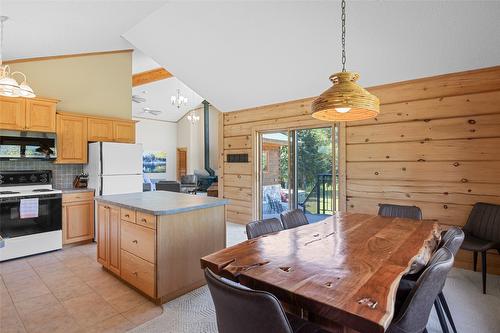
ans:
(28, 208)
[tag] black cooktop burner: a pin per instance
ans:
(42, 190)
(8, 192)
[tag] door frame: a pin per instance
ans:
(180, 149)
(340, 159)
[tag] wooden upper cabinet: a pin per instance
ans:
(41, 115)
(124, 131)
(100, 129)
(71, 139)
(12, 113)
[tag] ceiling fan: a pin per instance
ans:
(138, 99)
(150, 111)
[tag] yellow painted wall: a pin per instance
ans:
(92, 84)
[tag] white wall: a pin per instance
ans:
(191, 136)
(159, 136)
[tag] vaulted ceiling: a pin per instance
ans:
(245, 54)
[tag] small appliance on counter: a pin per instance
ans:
(81, 181)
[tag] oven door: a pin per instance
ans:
(48, 218)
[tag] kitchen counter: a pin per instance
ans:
(161, 202)
(76, 190)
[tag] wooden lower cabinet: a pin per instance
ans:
(78, 217)
(159, 255)
(108, 237)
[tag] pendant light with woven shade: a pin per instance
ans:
(345, 100)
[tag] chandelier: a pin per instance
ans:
(178, 100)
(9, 86)
(345, 100)
(193, 117)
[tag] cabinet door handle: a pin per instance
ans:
(126, 215)
(144, 220)
(135, 273)
(134, 241)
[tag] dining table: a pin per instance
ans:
(342, 272)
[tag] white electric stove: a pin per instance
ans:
(30, 214)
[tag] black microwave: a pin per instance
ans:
(27, 145)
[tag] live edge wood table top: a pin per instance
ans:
(345, 269)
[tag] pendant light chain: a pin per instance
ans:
(342, 17)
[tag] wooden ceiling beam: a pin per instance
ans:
(153, 75)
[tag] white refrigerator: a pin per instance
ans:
(115, 168)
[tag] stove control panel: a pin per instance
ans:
(28, 177)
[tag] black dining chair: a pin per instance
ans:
(482, 233)
(263, 227)
(451, 240)
(293, 218)
(413, 313)
(243, 310)
(409, 212)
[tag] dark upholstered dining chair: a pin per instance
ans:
(243, 310)
(293, 218)
(409, 212)
(451, 240)
(263, 227)
(482, 233)
(413, 314)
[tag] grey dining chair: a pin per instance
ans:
(413, 314)
(409, 212)
(482, 233)
(243, 310)
(263, 227)
(293, 218)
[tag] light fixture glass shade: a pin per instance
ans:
(345, 100)
(9, 87)
(26, 91)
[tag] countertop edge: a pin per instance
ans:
(75, 190)
(220, 202)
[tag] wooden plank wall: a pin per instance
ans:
(435, 144)
(239, 128)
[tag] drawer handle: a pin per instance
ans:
(135, 273)
(134, 241)
(126, 215)
(77, 197)
(144, 220)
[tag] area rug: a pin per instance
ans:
(472, 311)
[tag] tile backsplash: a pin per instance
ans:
(62, 174)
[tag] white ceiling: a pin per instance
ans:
(47, 28)
(141, 62)
(246, 54)
(157, 95)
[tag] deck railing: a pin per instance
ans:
(320, 199)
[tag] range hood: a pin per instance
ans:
(27, 145)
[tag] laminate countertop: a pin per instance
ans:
(161, 202)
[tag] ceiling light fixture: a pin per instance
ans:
(8, 85)
(193, 117)
(178, 100)
(345, 100)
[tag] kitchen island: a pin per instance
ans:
(154, 240)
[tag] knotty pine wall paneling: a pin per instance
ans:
(435, 144)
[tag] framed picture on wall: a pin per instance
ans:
(154, 162)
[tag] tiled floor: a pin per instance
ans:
(68, 291)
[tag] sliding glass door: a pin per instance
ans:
(296, 171)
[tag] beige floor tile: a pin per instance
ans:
(27, 288)
(92, 273)
(30, 305)
(67, 253)
(127, 301)
(68, 288)
(109, 287)
(116, 324)
(42, 259)
(89, 310)
(89, 250)
(54, 273)
(53, 319)
(13, 266)
(50, 268)
(78, 261)
(143, 313)
(9, 319)
(13, 278)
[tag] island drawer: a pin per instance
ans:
(127, 215)
(146, 220)
(138, 272)
(138, 240)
